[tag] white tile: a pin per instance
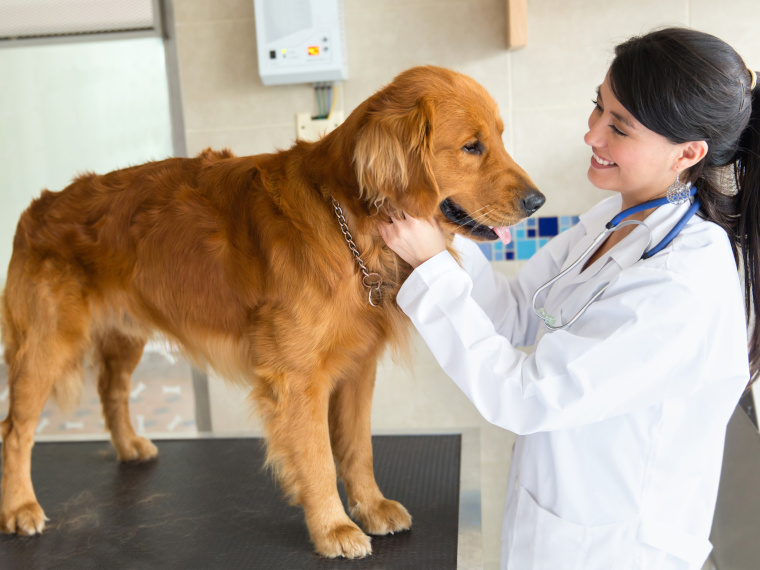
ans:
(242, 142)
(550, 148)
(735, 22)
(187, 11)
(570, 45)
(466, 36)
(221, 87)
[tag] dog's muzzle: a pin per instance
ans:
(454, 213)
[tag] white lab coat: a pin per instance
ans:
(622, 416)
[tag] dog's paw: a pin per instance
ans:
(343, 540)
(383, 517)
(136, 449)
(27, 520)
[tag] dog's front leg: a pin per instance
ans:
(351, 437)
(295, 414)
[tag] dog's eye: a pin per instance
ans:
(473, 148)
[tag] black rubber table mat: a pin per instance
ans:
(208, 503)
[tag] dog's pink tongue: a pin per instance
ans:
(504, 234)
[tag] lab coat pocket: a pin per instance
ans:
(690, 549)
(536, 539)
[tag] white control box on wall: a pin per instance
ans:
(300, 41)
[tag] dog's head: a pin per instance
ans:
(430, 145)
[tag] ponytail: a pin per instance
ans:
(747, 174)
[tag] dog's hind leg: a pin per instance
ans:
(295, 413)
(118, 356)
(47, 346)
(351, 438)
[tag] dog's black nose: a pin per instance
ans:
(533, 201)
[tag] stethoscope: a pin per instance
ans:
(613, 225)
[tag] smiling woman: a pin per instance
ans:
(621, 434)
(629, 158)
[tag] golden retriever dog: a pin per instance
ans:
(244, 264)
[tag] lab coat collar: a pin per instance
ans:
(630, 249)
(657, 225)
(597, 217)
(593, 223)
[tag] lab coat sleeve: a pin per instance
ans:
(634, 347)
(508, 300)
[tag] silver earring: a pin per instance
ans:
(678, 192)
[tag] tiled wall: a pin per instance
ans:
(527, 237)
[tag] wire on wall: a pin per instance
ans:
(324, 94)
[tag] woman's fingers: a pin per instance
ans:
(414, 240)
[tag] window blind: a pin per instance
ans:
(39, 18)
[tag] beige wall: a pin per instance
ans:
(543, 91)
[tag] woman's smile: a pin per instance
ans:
(598, 162)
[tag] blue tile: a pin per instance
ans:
(547, 227)
(528, 236)
(525, 249)
(486, 249)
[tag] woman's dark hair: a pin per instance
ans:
(690, 86)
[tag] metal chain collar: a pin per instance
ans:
(371, 281)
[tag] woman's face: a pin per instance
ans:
(627, 157)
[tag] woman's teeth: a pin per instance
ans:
(602, 161)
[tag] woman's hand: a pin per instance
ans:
(415, 241)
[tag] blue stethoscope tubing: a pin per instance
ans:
(613, 225)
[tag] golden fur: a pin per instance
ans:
(242, 263)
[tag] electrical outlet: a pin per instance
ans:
(308, 129)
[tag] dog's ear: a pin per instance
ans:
(393, 157)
